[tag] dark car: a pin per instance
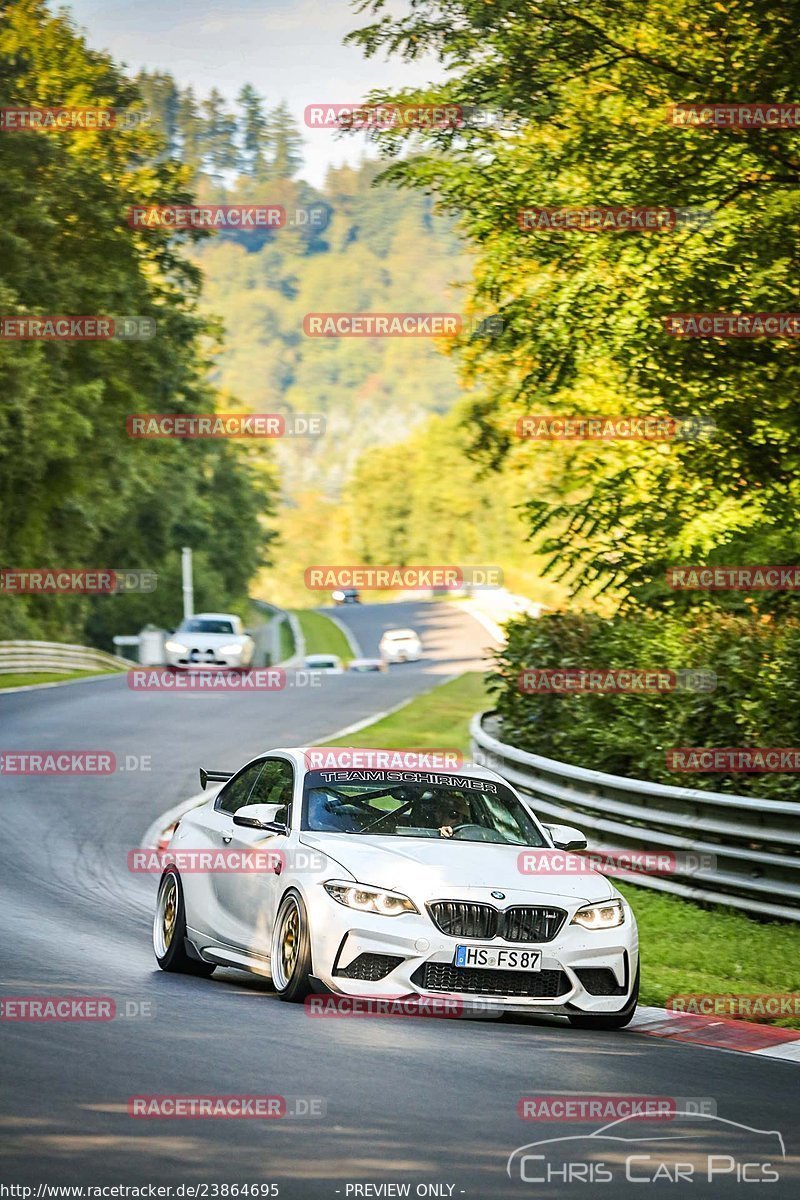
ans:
(346, 596)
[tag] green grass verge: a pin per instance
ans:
(439, 718)
(8, 681)
(322, 636)
(684, 947)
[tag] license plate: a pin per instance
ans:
(497, 956)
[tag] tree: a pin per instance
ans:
(218, 138)
(286, 143)
(255, 132)
(586, 91)
(75, 490)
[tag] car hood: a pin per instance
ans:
(207, 639)
(432, 868)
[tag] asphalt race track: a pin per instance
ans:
(423, 1102)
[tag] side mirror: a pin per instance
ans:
(271, 817)
(566, 837)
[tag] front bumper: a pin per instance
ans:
(207, 658)
(581, 970)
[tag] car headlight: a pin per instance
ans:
(175, 647)
(607, 915)
(231, 648)
(369, 899)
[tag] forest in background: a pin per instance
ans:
(392, 479)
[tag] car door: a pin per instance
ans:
(247, 899)
(210, 828)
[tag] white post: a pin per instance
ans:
(188, 586)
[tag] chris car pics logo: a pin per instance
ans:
(701, 1149)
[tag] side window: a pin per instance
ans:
(275, 785)
(237, 793)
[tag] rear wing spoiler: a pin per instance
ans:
(214, 777)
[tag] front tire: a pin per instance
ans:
(616, 1020)
(290, 958)
(169, 929)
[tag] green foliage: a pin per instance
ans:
(322, 635)
(756, 660)
(383, 251)
(585, 90)
(75, 490)
(425, 501)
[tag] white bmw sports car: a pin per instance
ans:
(210, 639)
(383, 882)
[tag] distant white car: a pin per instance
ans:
(401, 645)
(329, 664)
(210, 640)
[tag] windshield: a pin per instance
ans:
(205, 625)
(415, 804)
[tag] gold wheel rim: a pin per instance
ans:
(289, 943)
(166, 918)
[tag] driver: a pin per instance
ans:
(448, 811)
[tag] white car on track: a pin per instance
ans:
(326, 664)
(210, 640)
(383, 882)
(401, 645)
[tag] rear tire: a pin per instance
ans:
(290, 958)
(609, 1020)
(169, 929)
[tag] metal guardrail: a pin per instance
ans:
(737, 851)
(27, 658)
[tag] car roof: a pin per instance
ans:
(321, 657)
(468, 770)
(398, 633)
(213, 616)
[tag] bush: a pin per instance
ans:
(755, 659)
